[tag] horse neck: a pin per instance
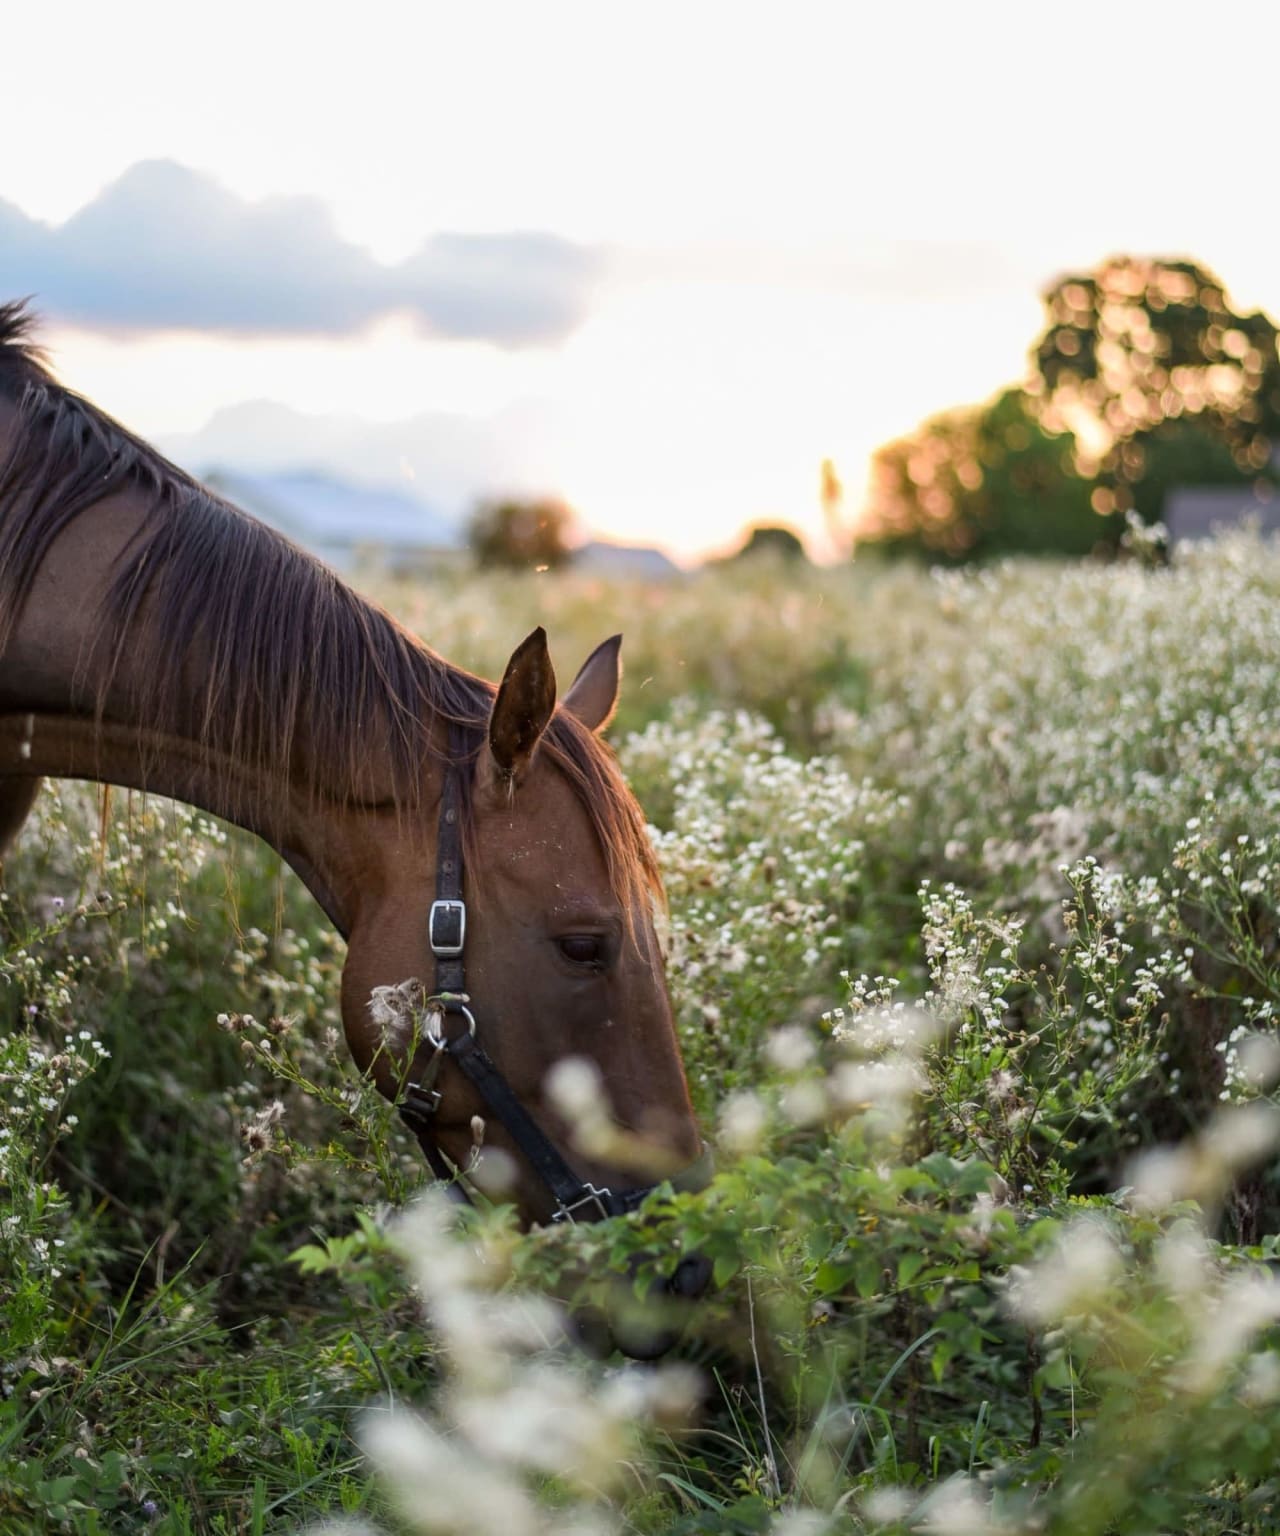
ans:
(70, 709)
(333, 849)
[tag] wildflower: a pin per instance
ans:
(954, 1508)
(1248, 1303)
(257, 1133)
(886, 1506)
(1261, 1384)
(804, 1103)
(742, 1123)
(790, 1049)
(443, 1486)
(1258, 1060)
(576, 1089)
(396, 1009)
(889, 1083)
(1183, 1262)
(1071, 1279)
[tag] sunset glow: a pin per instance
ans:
(790, 244)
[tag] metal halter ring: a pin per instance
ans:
(443, 1008)
(590, 1196)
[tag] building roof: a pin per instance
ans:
(1197, 511)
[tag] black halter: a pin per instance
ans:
(447, 935)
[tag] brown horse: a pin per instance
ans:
(153, 636)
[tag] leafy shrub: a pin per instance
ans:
(522, 535)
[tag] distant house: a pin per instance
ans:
(340, 521)
(624, 562)
(1197, 511)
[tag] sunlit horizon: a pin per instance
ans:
(790, 246)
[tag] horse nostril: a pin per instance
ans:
(692, 1277)
(647, 1332)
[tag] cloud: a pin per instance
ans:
(167, 247)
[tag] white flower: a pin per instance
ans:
(1248, 1303)
(1075, 1275)
(743, 1119)
(440, 1485)
(955, 1508)
(790, 1049)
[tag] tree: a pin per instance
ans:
(979, 482)
(520, 534)
(1143, 379)
(1161, 379)
(773, 540)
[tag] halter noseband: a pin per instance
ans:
(447, 934)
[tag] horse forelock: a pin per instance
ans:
(616, 816)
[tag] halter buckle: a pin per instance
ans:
(419, 1105)
(447, 929)
(592, 1196)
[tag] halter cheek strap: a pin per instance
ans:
(447, 935)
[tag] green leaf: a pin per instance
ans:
(909, 1266)
(724, 1267)
(867, 1274)
(832, 1276)
(311, 1259)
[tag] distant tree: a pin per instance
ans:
(520, 534)
(771, 539)
(1163, 382)
(1144, 378)
(979, 482)
(1174, 453)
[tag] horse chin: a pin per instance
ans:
(649, 1327)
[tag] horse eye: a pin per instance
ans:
(582, 948)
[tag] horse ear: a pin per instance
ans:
(526, 698)
(594, 695)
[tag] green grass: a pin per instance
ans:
(974, 924)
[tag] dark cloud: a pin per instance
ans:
(165, 247)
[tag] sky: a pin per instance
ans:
(660, 260)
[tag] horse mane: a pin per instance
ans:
(303, 681)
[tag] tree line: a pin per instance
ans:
(1143, 379)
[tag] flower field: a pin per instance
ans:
(974, 944)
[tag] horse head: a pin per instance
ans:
(564, 980)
